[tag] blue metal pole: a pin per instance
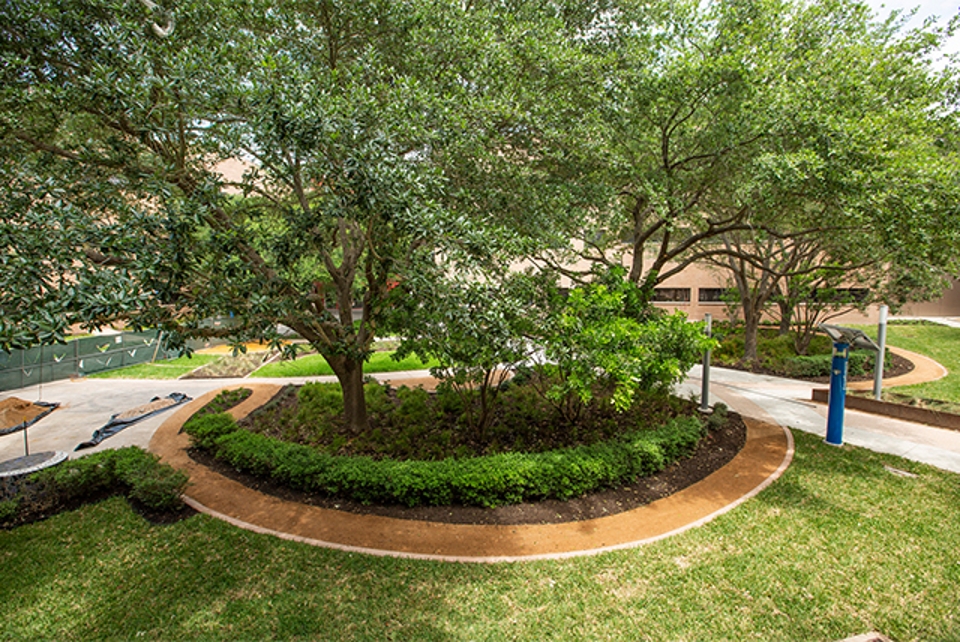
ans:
(838, 393)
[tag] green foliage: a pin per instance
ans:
(718, 418)
(473, 329)
(224, 401)
(818, 365)
(131, 471)
(480, 481)
(592, 344)
(777, 353)
(207, 428)
(9, 509)
(319, 403)
(153, 484)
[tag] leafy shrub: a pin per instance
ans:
(597, 342)
(224, 401)
(378, 401)
(778, 354)
(206, 429)
(775, 349)
(718, 418)
(8, 509)
(483, 481)
(318, 404)
(131, 471)
(153, 484)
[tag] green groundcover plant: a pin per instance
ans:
(503, 478)
(778, 355)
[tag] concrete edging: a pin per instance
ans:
(896, 410)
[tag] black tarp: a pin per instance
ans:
(116, 424)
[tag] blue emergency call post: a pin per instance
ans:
(843, 339)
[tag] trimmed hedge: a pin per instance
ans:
(495, 480)
(132, 471)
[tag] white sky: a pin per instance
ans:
(943, 9)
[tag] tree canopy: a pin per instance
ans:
(385, 140)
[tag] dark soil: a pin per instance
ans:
(162, 517)
(32, 512)
(415, 424)
(714, 451)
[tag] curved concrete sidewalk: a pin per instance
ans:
(787, 402)
(924, 369)
(765, 456)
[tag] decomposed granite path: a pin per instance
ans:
(766, 454)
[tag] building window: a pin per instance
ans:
(715, 295)
(671, 295)
(841, 295)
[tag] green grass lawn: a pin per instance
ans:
(171, 369)
(314, 365)
(940, 343)
(838, 546)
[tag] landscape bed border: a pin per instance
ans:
(492, 480)
(766, 454)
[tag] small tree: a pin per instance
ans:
(598, 341)
(474, 328)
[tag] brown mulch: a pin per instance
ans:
(716, 450)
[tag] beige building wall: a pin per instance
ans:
(698, 276)
(946, 306)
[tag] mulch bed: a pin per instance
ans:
(716, 450)
(898, 366)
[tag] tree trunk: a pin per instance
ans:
(751, 326)
(786, 317)
(350, 375)
(801, 343)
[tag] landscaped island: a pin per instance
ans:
(421, 451)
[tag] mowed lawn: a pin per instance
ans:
(171, 369)
(939, 342)
(838, 546)
(315, 365)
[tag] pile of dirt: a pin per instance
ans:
(15, 413)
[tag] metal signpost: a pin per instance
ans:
(882, 348)
(843, 340)
(705, 388)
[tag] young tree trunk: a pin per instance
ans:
(786, 317)
(801, 343)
